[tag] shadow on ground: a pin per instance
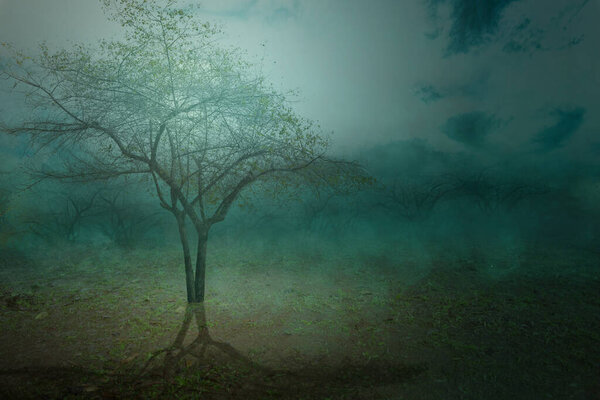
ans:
(200, 366)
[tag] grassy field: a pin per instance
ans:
(375, 322)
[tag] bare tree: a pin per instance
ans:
(167, 103)
(493, 193)
(330, 213)
(413, 198)
(124, 220)
(63, 217)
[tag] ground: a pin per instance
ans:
(375, 321)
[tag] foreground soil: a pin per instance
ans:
(113, 324)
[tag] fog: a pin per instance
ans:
(471, 244)
(424, 93)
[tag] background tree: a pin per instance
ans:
(167, 103)
(60, 216)
(413, 198)
(125, 220)
(330, 213)
(493, 192)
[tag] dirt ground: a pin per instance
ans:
(374, 324)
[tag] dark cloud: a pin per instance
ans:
(428, 93)
(474, 22)
(527, 36)
(524, 38)
(470, 129)
(475, 87)
(567, 123)
(570, 12)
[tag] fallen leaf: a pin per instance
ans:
(41, 315)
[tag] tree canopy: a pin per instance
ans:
(167, 102)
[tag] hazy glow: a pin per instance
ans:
(381, 71)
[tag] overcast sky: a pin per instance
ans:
(482, 76)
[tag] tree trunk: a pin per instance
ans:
(187, 259)
(200, 267)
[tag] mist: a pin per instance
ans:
(443, 244)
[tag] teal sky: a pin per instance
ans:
(489, 76)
